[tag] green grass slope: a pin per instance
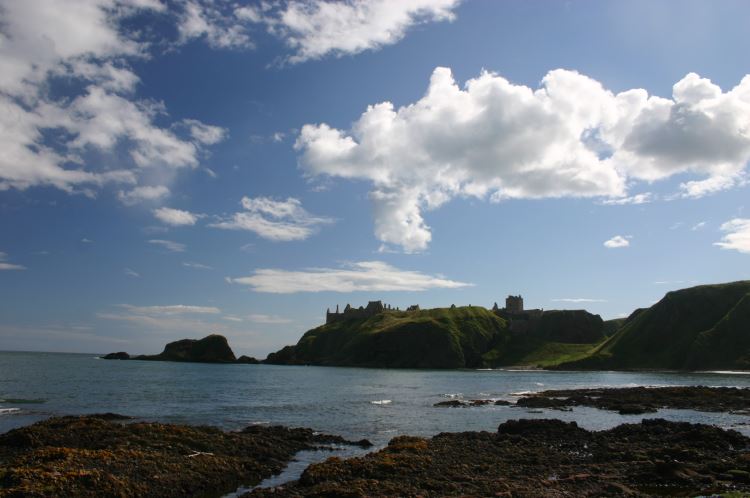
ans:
(464, 337)
(435, 338)
(702, 327)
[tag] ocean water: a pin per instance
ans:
(353, 402)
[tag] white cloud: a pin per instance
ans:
(86, 241)
(6, 266)
(205, 134)
(207, 20)
(643, 198)
(197, 266)
(87, 43)
(274, 220)
(506, 141)
(131, 273)
(175, 217)
(737, 235)
(698, 226)
(178, 317)
(10, 266)
(617, 241)
(268, 319)
(317, 28)
(695, 189)
(174, 309)
(371, 276)
(168, 245)
(143, 193)
(578, 300)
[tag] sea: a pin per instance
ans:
(356, 403)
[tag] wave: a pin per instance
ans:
(23, 401)
(8, 411)
(452, 395)
(381, 402)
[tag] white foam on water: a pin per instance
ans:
(8, 411)
(382, 402)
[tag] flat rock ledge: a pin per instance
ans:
(532, 458)
(105, 455)
(638, 400)
(627, 400)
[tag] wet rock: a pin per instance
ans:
(541, 458)
(639, 400)
(95, 455)
(453, 403)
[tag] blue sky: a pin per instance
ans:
(171, 169)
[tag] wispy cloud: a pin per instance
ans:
(142, 193)
(173, 309)
(737, 235)
(643, 198)
(10, 266)
(197, 266)
(175, 217)
(371, 276)
(274, 220)
(314, 29)
(268, 319)
(698, 226)
(578, 300)
(6, 266)
(131, 273)
(168, 245)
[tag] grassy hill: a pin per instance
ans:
(463, 337)
(436, 338)
(703, 327)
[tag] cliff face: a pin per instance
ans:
(703, 327)
(569, 326)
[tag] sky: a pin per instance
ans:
(174, 169)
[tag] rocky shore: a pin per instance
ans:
(627, 400)
(112, 455)
(108, 455)
(534, 458)
(637, 400)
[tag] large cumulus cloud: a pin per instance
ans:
(571, 137)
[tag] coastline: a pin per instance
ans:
(92, 455)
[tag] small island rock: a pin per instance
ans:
(122, 355)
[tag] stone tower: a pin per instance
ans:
(514, 304)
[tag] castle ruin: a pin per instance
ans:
(513, 311)
(372, 309)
